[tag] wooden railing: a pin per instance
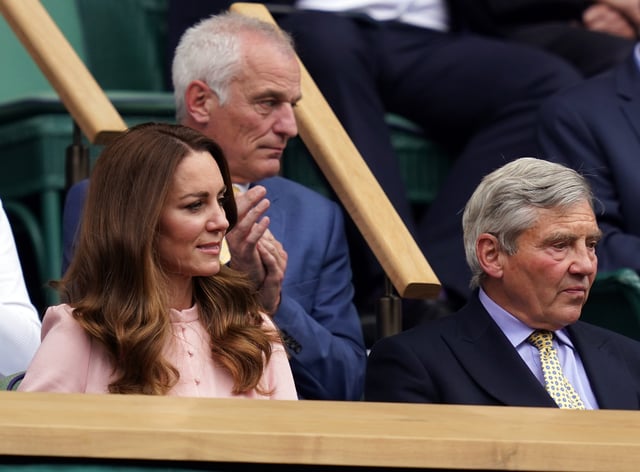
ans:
(320, 433)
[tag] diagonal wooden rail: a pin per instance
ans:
(355, 185)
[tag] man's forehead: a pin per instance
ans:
(269, 83)
(268, 71)
(565, 220)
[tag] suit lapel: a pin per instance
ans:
(491, 360)
(628, 89)
(605, 368)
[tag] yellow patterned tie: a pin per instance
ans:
(557, 384)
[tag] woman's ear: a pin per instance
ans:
(198, 100)
(489, 255)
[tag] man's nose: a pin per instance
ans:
(586, 262)
(286, 122)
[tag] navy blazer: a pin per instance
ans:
(466, 359)
(319, 323)
(594, 127)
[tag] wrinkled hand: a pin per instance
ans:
(274, 259)
(607, 19)
(254, 250)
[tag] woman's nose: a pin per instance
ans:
(217, 220)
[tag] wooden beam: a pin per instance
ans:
(68, 75)
(356, 186)
(317, 433)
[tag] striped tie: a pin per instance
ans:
(556, 383)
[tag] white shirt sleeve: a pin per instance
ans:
(432, 14)
(19, 321)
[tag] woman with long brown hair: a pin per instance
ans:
(149, 307)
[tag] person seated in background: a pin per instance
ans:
(474, 96)
(594, 128)
(530, 237)
(236, 80)
(19, 320)
(149, 307)
(592, 35)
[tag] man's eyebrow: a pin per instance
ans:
(278, 94)
(595, 235)
(562, 236)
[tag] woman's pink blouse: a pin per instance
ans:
(69, 360)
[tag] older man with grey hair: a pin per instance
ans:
(530, 235)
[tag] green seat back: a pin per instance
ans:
(125, 42)
(614, 302)
(20, 76)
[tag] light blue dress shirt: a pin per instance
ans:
(517, 333)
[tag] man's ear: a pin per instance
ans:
(490, 255)
(198, 100)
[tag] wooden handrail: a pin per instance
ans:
(78, 90)
(356, 186)
(317, 433)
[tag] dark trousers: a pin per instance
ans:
(591, 52)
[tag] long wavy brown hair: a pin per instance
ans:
(116, 283)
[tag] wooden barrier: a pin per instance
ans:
(355, 185)
(317, 433)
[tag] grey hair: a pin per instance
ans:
(506, 203)
(211, 51)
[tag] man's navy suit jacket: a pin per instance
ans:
(594, 127)
(466, 359)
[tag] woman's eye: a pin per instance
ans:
(194, 206)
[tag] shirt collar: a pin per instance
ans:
(241, 187)
(515, 330)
